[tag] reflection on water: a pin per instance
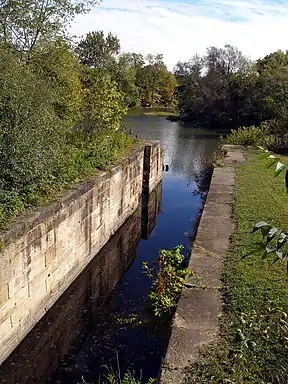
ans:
(67, 324)
(122, 324)
(185, 146)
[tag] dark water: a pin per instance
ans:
(80, 335)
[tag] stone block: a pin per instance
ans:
(37, 266)
(17, 283)
(22, 306)
(4, 294)
(37, 288)
(50, 256)
(5, 328)
(7, 309)
(6, 271)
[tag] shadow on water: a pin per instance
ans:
(80, 325)
(88, 325)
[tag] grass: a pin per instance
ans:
(253, 347)
(168, 114)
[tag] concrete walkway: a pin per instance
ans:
(196, 321)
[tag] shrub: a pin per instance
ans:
(31, 133)
(115, 378)
(246, 136)
(168, 280)
(42, 149)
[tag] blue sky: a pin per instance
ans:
(181, 28)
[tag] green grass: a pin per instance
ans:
(161, 114)
(253, 347)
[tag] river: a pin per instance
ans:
(78, 338)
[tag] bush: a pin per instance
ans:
(246, 136)
(277, 136)
(57, 125)
(31, 133)
(168, 280)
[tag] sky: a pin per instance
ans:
(180, 28)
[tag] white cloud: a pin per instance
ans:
(178, 29)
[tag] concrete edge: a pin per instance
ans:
(196, 320)
(29, 219)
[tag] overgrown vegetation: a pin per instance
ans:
(59, 119)
(115, 378)
(168, 276)
(61, 104)
(254, 343)
(246, 136)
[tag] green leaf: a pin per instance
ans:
(269, 250)
(260, 225)
(271, 234)
(265, 230)
(286, 180)
(239, 335)
(271, 161)
(279, 168)
(282, 240)
(264, 155)
(280, 255)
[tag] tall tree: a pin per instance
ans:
(24, 22)
(156, 84)
(99, 51)
(127, 68)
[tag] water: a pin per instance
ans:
(79, 334)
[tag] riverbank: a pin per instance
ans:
(253, 346)
(169, 113)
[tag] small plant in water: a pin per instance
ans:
(115, 377)
(168, 276)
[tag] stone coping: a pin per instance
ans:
(31, 218)
(196, 321)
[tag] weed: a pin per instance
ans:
(169, 277)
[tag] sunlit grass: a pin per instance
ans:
(255, 293)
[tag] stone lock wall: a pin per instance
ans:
(66, 325)
(54, 245)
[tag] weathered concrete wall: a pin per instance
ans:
(196, 321)
(56, 244)
(66, 325)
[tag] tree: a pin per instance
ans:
(54, 62)
(98, 51)
(103, 107)
(127, 67)
(23, 22)
(156, 85)
(206, 92)
(31, 132)
(273, 78)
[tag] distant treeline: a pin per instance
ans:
(224, 88)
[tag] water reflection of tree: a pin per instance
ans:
(192, 158)
(187, 150)
(203, 178)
